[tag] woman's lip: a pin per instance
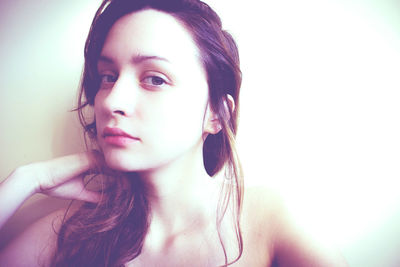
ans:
(116, 132)
(119, 140)
(117, 137)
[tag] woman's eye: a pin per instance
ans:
(154, 81)
(107, 78)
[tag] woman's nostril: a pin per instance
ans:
(120, 112)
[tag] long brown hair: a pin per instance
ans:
(112, 232)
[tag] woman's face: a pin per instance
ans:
(153, 94)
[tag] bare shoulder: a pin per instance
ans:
(288, 245)
(35, 246)
(262, 206)
(258, 223)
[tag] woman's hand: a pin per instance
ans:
(61, 177)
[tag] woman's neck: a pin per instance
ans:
(182, 193)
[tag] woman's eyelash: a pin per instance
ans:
(107, 78)
(154, 81)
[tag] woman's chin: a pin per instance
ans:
(123, 164)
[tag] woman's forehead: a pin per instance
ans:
(152, 33)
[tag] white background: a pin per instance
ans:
(319, 105)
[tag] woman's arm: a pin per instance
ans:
(14, 190)
(36, 245)
(61, 177)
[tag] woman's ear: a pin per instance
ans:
(213, 124)
(230, 104)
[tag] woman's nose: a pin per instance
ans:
(122, 97)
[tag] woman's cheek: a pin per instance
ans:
(176, 127)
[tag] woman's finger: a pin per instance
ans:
(89, 196)
(57, 171)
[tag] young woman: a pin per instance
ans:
(163, 79)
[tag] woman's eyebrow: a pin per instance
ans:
(105, 59)
(135, 59)
(140, 58)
